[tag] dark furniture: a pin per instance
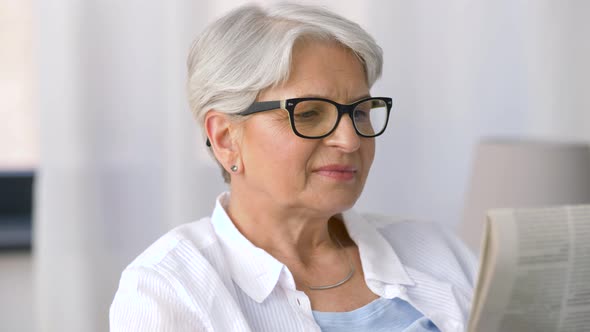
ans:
(16, 201)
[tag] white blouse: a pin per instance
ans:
(206, 276)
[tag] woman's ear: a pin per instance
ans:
(220, 133)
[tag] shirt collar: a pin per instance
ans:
(381, 265)
(254, 270)
(257, 272)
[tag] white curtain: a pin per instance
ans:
(122, 162)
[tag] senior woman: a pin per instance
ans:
(283, 97)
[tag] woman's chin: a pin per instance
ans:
(338, 201)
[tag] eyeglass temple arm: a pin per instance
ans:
(257, 107)
(262, 106)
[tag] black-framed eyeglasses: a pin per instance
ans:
(316, 118)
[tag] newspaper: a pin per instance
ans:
(534, 271)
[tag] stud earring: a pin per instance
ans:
(234, 168)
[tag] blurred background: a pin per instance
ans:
(93, 107)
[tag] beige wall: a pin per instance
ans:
(18, 128)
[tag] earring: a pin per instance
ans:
(234, 168)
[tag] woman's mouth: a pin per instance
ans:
(337, 172)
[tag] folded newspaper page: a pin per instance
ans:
(534, 271)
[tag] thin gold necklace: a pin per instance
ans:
(341, 282)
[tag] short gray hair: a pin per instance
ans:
(250, 49)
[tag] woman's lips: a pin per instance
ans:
(337, 172)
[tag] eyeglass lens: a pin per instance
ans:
(314, 118)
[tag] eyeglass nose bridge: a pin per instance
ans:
(345, 109)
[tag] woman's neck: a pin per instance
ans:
(287, 233)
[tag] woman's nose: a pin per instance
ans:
(344, 136)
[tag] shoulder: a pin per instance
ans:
(443, 268)
(192, 236)
(187, 253)
(166, 281)
(428, 247)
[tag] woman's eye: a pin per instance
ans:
(307, 115)
(361, 116)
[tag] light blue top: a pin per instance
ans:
(381, 315)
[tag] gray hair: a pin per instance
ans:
(250, 48)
